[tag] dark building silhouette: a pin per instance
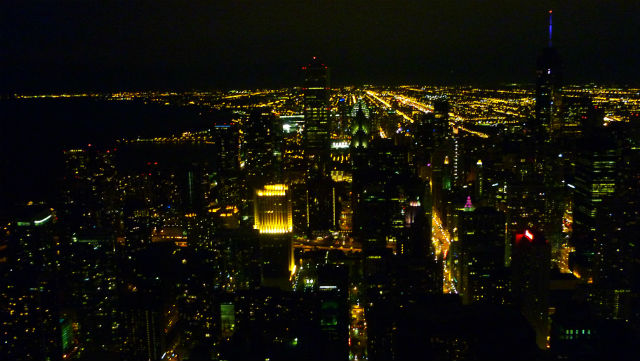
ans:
(29, 288)
(316, 114)
(262, 146)
(596, 175)
(548, 89)
(531, 263)
(484, 279)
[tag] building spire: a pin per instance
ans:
(550, 28)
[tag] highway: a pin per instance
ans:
(324, 246)
(441, 241)
(425, 108)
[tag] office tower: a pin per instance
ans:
(548, 77)
(441, 113)
(605, 216)
(316, 114)
(522, 189)
(92, 278)
(440, 155)
(29, 286)
(293, 160)
(274, 221)
(324, 279)
(378, 184)
(481, 250)
(320, 205)
(242, 256)
(360, 128)
(270, 323)
(596, 175)
(423, 143)
(579, 334)
(360, 138)
(575, 111)
(272, 211)
(261, 148)
(333, 291)
(479, 181)
(612, 291)
(90, 196)
(415, 243)
(531, 263)
(227, 138)
(300, 210)
(319, 187)
(155, 281)
(359, 164)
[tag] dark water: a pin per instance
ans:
(34, 133)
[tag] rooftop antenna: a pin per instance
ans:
(550, 28)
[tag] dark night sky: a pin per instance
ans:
(106, 45)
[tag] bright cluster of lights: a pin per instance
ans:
(340, 145)
(275, 229)
(272, 210)
(273, 190)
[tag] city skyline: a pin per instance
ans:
(322, 223)
(248, 181)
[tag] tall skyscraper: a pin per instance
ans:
(316, 113)
(274, 220)
(595, 181)
(481, 238)
(531, 264)
(262, 145)
(272, 211)
(226, 135)
(29, 309)
(548, 77)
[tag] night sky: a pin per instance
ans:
(138, 45)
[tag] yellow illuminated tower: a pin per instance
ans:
(274, 221)
(272, 210)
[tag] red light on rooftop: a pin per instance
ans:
(550, 11)
(519, 237)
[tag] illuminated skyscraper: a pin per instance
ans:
(360, 128)
(316, 113)
(548, 76)
(274, 220)
(272, 209)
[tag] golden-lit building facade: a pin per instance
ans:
(272, 209)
